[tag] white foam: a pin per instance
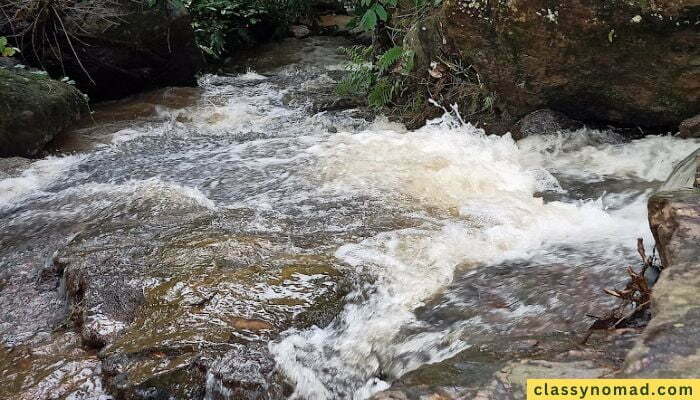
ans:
(489, 185)
(649, 159)
(165, 195)
(36, 178)
(251, 76)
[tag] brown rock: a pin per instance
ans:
(670, 345)
(690, 128)
(143, 48)
(624, 63)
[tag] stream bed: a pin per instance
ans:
(256, 238)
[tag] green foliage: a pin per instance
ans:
(426, 3)
(5, 49)
(382, 93)
(378, 77)
(224, 25)
(370, 12)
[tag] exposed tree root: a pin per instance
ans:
(633, 311)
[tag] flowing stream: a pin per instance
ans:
(425, 219)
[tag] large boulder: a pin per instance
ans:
(139, 48)
(34, 109)
(670, 345)
(619, 62)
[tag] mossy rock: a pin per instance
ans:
(145, 48)
(34, 109)
(623, 63)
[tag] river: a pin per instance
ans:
(445, 237)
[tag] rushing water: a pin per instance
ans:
(417, 212)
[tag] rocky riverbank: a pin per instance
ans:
(670, 346)
(263, 235)
(628, 64)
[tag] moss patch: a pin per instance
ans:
(34, 109)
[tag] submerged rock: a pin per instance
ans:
(528, 321)
(245, 372)
(170, 313)
(670, 345)
(543, 122)
(597, 62)
(57, 370)
(33, 110)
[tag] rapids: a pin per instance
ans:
(417, 217)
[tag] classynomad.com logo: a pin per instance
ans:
(613, 389)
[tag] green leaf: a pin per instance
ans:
(381, 94)
(389, 58)
(353, 23)
(380, 11)
(408, 62)
(3, 42)
(369, 20)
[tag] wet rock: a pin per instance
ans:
(511, 382)
(300, 31)
(670, 345)
(543, 122)
(245, 372)
(529, 312)
(163, 311)
(594, 61)
(110, 118)
(337, 23)
(33, 110)
(390, 395)
(59, 369)
(502, 380)
(690, 128)
(145, 49)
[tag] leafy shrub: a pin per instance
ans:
(5, 49)
(370, 12)
(373, 11)
(224, 25)
(377, 77)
